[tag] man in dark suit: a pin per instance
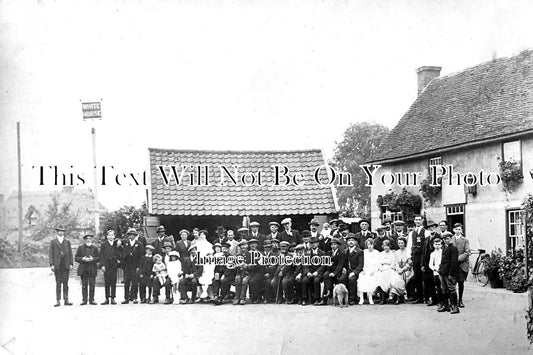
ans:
(182, 247)
(159, 242)
(87, 255)
(364, 233)
(254, 226)
(289, 234)
(463, 248)
(312, 275)
(398, 231)
(416, 244)
(132, 253)
(336, 272)
(61, 262)
(191, 273)
(427, 249)
(449, 267)
(354, 266)
(110, 252)
(220, 235)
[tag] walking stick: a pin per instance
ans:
(277, 292)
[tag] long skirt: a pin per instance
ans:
(367, 283)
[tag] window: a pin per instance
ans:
(515, 230)
(455, 210)
(512, 151)
(435, 161)
(392, 216)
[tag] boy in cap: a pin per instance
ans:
(448, 269)
(191, 273)
(61, 261)
(434, 264)
(110, 251)
(463, 248)
(132, 252)
(145, 274)
(87, 256)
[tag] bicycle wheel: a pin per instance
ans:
(481, 277)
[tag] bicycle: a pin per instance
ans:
(478, 272)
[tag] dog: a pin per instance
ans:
(340, 295)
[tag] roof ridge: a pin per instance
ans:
(490, 61)
(236, 151)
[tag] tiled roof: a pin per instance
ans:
(171, 199)
(491, 100)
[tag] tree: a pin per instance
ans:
(123, 218)
(361, 141)
(55, 215)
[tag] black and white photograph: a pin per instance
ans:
(266, 177)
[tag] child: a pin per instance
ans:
(448, 275)
(174, 274)
(160, 274)
(145, 274)
(434, 264)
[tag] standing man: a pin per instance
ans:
(354, 266)
(443, 226)
(378, 241)
(289, 234)
(256, 235)
(233, 244)
(398, 231)
(110, 252)
(184, 244)
(274, 226)
(364, 233)
(448, 275)
(61, 263)
(132, 253)
(427, 249)
(463, 248)
(416, 245)
(87, 255)
(243, 233)
(160, 241)
(220, 235)
(388, 230)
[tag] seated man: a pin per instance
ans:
(191, 273)
(312, 276)
(336, 272)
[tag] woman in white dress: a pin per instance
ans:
(367, 281)
(404, 269)
(205, 248)
(388, 278)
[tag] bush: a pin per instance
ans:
(512, 271)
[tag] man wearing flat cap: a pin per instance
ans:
(183, 245)
(289, 234)
(354, 265)
(87, 256)
(110, 253)
(160, 241)
(191, 273)
(274, 234)
(254, 234)
(312, 276)
(398, 231)
(336, 272)
(61, 262)
(132, 253)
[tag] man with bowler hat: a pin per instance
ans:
(61, 262)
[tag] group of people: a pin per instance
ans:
(401, 262)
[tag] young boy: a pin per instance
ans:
(463, 250)
(434, 264)
(160, 273)
(448, 275)
(174, 272)
(145, 274)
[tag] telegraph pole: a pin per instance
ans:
(20, 189)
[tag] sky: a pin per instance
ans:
(237, 75)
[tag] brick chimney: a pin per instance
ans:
(425, 75)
